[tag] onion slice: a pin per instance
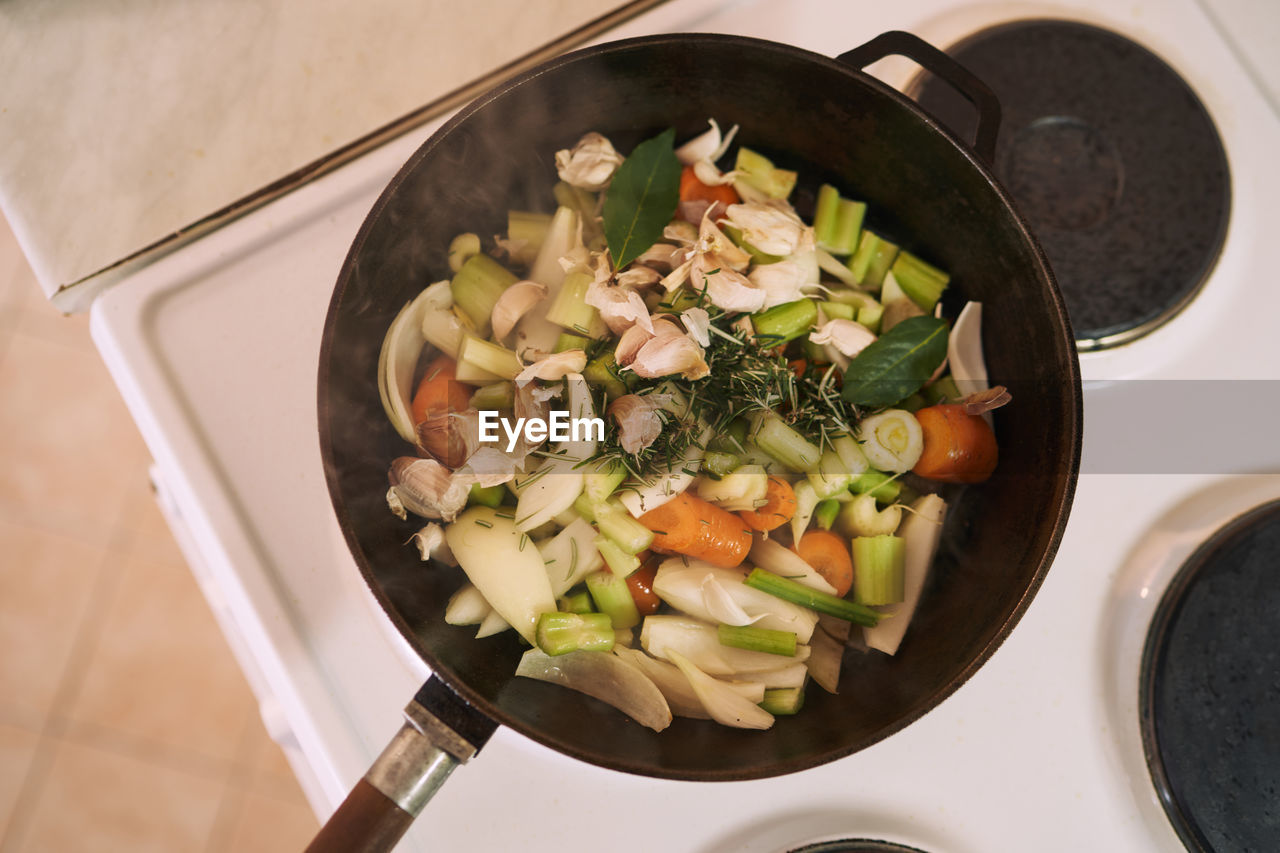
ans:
(725, 705)
(397, 361)
(604, 677)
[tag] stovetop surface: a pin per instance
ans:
(1036, 751)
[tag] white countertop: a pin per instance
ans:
(126, 121)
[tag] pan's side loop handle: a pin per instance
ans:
(441, 731)
(928, 57)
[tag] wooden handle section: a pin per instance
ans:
(366, 822)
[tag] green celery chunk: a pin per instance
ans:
(784, 322)
(490, 496)
(619, 526)
(825, 513)
(576, 602)
(920, 281)
(823, 602)
(879, 569)
(872, 260)
(784, 444)
(613, 597)
(783, 701)
(759, 172)
(758, 639)
(560, 633)
(619, 561)
(883, 487)
(476, 287)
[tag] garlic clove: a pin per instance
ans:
(427, 488)
(590, 164)
(670, 354)
(769, 228)
(619, 307)
(847, 336)
(727, 289)
(554, 367)
(639, 424)
(698, 323)
(629, 344)
(513, 304)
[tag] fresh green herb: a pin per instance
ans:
(642, 198)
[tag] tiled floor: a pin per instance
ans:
(125, 723)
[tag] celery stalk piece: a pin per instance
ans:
(490, 496)
(602, 372)
(872, 259)
(850, 296)
(624, 531)
(878, 569)
(476, 288)
(613, 598)
(848, 227)
(883, 487)
(577, 602)
(784, 444)
(921, 531)
(720, 464)
(832, 475)
(823, 602)
(824, 215)
(919, 280)
(871, 316)
(584, 203)
(758, 174)
(838, 310)
(783, 701)
(462, 248)
(570, 310)
(784, 322)
(619, 561)
(941, 391)
(496, 396)
(527, 231)
(568, 341)
(484, 357)
(859, 517)
(825, 513)
(757, 257)
(603, 479)
(756, 639)
(561, 633)
(585, 507)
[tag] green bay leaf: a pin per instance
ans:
(642, 198)
(897, 363)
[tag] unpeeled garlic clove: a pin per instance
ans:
(427, 488)
(590, 164)
(513, 304)
(638, 421)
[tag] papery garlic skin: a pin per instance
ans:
(590, 164)
(554, 367)
(770, 229)
(513, 304)
(639, 424)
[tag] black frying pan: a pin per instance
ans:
(831, 122)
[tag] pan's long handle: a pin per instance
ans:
(441, 731)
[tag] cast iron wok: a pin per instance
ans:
(829, 121)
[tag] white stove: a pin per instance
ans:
(215, 349)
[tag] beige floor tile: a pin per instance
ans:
(69, 452)
(269, 823)
(162, 672)
(17, 746)
(39, 319)
(269, 768)
(92, 800)
(150, 537)
(46, 580)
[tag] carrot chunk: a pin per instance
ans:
(779, 507)
(958, 447)
(691, 526)
(829, 556)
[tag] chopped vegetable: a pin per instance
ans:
(691, 526)
(755, 639)
(662, 635)
(605, 677)
(956, 447)
(476, 287)
(829, 556)
(640, 582)
(878, 566)
(892, 440)
(921, 531)
(613, 598)
(462, 248)
(797, 593)
(719, 595)
(778, 508)
(860, 517)
(721, 702)
(692, 189)
(781, 701)
(561, 633)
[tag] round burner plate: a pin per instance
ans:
(1112, 159)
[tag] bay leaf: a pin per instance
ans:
(896, 364)
(642, 198)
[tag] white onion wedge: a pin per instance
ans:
(466, 606)
(396, 363)
(571, 555)
(721, 702)
(663, 635)
(605, 677)
(825, 660)
(504, 565)
(793, 675)
(767, 554)
(492, 624)
(921, 530)
(719, 595)
(552, 489)
(964, 350)
(669, 680)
